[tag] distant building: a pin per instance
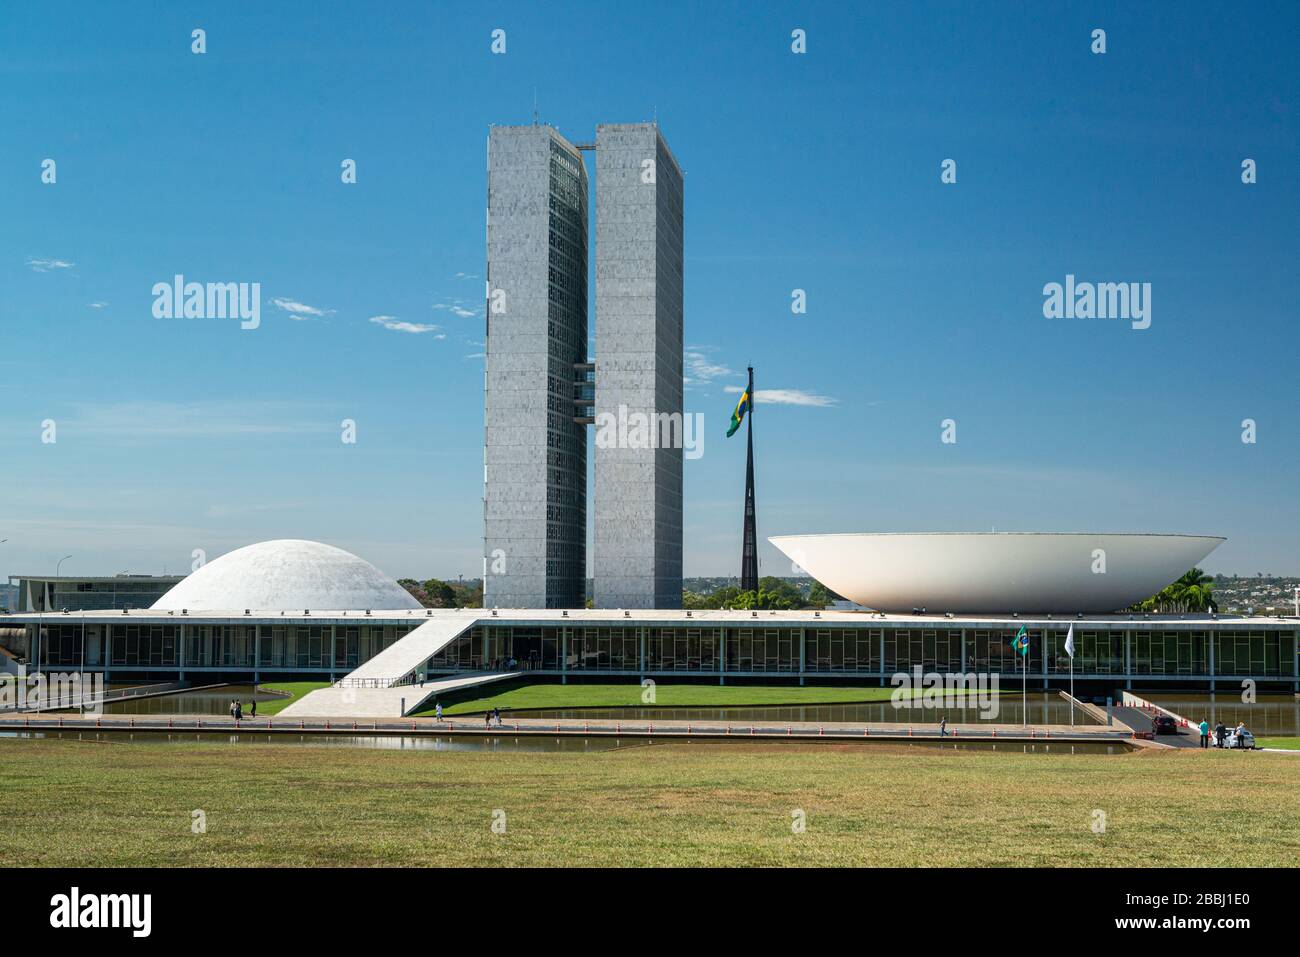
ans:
(52, 593)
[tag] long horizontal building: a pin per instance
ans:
(255, 644)
(80, 592)
(303, 609)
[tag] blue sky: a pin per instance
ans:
(818, 171)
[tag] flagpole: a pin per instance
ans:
(1024, 671)
(1072, 691)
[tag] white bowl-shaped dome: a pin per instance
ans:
(996, 573)
(287, 575)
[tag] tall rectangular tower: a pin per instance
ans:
(638, 494)
(535, 451)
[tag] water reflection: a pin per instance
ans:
(1044, 708)
(529, 744)
(1272, 715)
(204, 701)
(381, 742)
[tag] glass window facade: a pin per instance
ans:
(682, 647)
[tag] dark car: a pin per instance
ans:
(1164, 724)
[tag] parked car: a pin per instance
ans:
(1244, 740)
(1164, 724)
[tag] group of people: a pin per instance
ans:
(1220, 732)
(237, 709)
(490, 718)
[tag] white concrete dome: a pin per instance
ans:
(287, 575)
(996, 573)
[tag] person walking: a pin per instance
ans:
(1220, 732)
(943, 726)
(437, 710)
(487, 718)
(1205, 733)
(252, 708)
(496, 715)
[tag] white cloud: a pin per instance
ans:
(204, 418)
(465, 275)
(787, 397)
(300, 310)
(456, 308)
(96, 305)
(397, 325)
(45, 265)
(700, 368)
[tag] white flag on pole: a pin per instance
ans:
(1069, 643)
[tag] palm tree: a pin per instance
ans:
(1193, 592)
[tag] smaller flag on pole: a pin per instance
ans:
(1021, 642)
(1069, 642)
(738, 416)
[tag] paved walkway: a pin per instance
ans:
(394, 702)
(573, 727)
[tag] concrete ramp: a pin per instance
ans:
(342, 701)
(405, 655)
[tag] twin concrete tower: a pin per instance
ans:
(543, 389)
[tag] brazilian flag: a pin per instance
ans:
(738, 416)
(1021, 642)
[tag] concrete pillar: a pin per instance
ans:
(802, 654)
(1210, 638)
(722, 656)
(564, 655)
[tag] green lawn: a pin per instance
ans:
(79, 803)
(535, 696)
(1290, 744)
(295, 688)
